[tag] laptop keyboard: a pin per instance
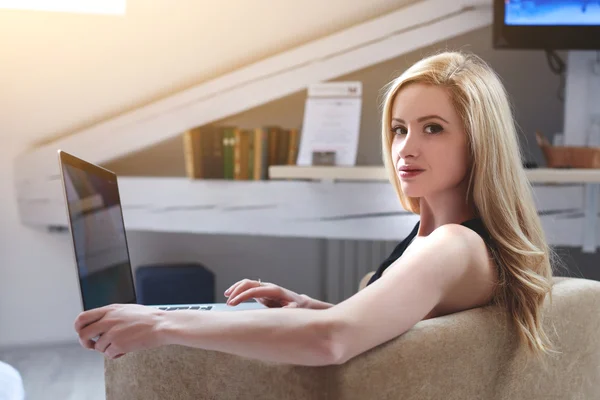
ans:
(202, 308)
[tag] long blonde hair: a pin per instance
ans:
(498, 185)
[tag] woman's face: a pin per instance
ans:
(427, 135)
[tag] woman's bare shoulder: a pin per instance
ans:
(476, 286)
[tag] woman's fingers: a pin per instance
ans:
(241, 287)
(232, 287)
(102, 343)
(256, 292)
(242, 295)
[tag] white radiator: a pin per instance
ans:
(345, 263)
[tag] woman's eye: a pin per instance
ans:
(433, 128)
(398, 130)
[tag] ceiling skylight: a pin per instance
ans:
(107, 7)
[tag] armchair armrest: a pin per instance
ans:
(177, 373)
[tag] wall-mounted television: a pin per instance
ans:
(547, 24)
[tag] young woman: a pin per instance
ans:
(452, 154)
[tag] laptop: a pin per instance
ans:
(95, 220)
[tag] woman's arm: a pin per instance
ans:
(315, 304)
(294, 336)
(285, 335)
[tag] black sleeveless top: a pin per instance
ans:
(476, 224)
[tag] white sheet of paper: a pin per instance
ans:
(331, 124)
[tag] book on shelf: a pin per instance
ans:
(233, 153)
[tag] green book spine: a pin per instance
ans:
(225, 153)
(228, 158)
(251, 155)
(217, 154)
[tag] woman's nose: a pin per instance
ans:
(408, 145)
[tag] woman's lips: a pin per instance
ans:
(410, 173)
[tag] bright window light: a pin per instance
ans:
(111, 7)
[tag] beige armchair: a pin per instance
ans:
(467, 355)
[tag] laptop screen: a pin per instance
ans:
(98, 232)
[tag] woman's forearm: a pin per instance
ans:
(291, 336)
(315, 304)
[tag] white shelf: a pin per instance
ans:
(366, 173)
(378, 174)
(559, 175)
(308, 209)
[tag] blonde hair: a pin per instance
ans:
(498, 185)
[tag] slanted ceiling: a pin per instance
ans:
(61, 73)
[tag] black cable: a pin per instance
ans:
(560, 93)
(558, 67)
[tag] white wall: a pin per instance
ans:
(38, 297)
(582, 121)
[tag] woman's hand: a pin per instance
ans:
(121, 328)
(268, 294)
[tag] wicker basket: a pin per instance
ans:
(568, 156)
